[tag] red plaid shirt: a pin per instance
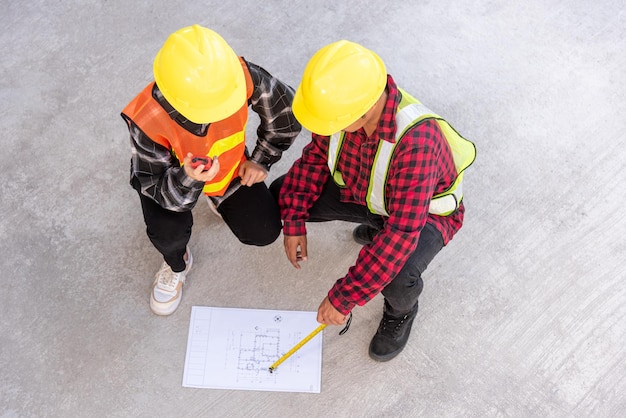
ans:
(422, 166)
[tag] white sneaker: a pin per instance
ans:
(167, 289)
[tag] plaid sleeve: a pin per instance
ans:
(303, 185)
(278, 128)
(157, 174)
(412, 181)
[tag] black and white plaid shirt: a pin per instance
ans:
(156, 172)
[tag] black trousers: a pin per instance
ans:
(401, 294)
(251, 213)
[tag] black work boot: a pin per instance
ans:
(392, 335)
(364, 234)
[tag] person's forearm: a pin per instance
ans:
(271, 99)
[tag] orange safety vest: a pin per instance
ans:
(224, 138)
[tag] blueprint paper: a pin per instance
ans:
(231, 348)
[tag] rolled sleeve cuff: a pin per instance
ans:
(262, 159)
(187, 182)
(294, 228)
(342, 305)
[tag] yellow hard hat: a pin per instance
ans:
(341, 82)
(200, 75)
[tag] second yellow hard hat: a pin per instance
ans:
(340, 83)
(200, 75)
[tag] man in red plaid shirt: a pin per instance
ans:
(380, 158)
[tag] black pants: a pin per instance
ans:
(402, 293)
(251, 213)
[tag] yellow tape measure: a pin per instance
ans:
(296, 347)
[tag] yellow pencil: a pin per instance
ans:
(296, 347)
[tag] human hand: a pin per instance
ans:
(251, 173)
(197, 173)
(295, 248)
(327, 314)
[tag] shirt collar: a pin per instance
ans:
(194, 128)
(387, 124)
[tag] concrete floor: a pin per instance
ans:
(523, 314)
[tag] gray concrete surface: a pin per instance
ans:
(522, 314)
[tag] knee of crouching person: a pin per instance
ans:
(261, 240)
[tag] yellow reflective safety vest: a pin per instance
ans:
(409, 114)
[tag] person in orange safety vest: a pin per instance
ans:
(187, 131)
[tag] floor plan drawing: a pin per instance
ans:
(254, 352)
(233, 349)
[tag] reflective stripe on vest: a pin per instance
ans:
(334, 147)
(410, 113)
